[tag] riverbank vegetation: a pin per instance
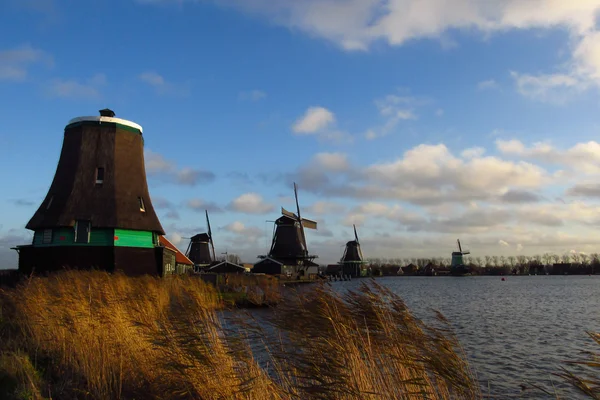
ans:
(94, 335)
(554, 264)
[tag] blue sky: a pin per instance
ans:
(420, 122)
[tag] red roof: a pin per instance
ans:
(180, 258)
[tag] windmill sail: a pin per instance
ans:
(212, 245)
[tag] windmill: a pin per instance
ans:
(288, 246)
(457, 266)
(201, 249)
(352, 258)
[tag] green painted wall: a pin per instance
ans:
(66, 237)
(128, 238)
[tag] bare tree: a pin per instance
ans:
(585, 259)
(547, 258)
(488, 261)
(566, 258)
(496, 261)
(576, 258)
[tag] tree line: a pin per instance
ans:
(521, 264)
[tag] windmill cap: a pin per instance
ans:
(107, 115)
(107, 112)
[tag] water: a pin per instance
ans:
(514, 332)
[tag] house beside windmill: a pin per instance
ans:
(288, 255)
(352, 259)
(181, 264)
(201, 249)
(98, 212)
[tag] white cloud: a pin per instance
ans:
(326, 207)
(425, 175)
(355, 25)
(157, 166)
(252, 95)
(320, 122)
(488, 84)
(332, 161)
(472, 152)
(582, 157)
(553, 88)
(200, 205)
(314, 120)
(76, 89)
(236, 227)
(251, 203)
(519, 247)
(503, 243)
(15, 63)
(162, 86)
(393, 109)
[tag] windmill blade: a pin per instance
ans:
(210, 238)
(459, 248)
(309, 223)
(300, 219)
(297, 204)
(355, 234)
(288, 213)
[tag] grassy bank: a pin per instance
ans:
(92, 335)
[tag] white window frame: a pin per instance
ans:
(98, 180)
(47, 236)
(89, 229)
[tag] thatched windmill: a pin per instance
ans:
(288, 253)
(98, 212)
(201, 249)
(352, 259)
(458, 267)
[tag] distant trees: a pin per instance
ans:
(575, 263)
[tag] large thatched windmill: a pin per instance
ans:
(289, 254)
(201, 249)
(97, 212)
(352, 259)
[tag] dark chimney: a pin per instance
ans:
(107, 113)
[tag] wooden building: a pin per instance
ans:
(97, 212)
(181, 264)
(226, 267)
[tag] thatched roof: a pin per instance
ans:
(74, 194)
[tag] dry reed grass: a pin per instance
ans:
(586, 378)
(92, 335)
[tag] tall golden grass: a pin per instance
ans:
(93, 335)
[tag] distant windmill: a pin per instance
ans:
(458, 266)
(289, 240)
(201, 249)
(288, 247)
(352, 258)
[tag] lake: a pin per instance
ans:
(515, 331)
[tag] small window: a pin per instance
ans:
(142, 206)
(47, 236)
(82, 231)
(49, 203)
(99, 176)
